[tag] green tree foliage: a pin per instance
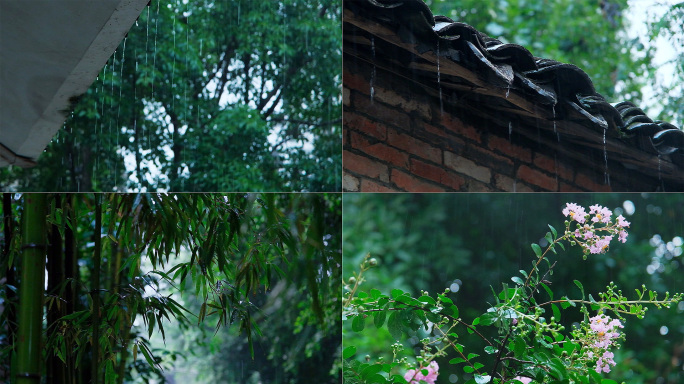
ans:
(587, 33)
(114, 280)
(672, 96)
(207, 96)
(471, 242)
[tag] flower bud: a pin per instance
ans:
(352, 280)
(373, 262)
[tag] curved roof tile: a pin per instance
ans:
(564, 86)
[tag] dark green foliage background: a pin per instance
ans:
(427, 241)
(158, 99)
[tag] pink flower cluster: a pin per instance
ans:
(415, 376)
(606, 331)
(586, 233)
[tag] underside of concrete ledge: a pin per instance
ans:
(51, 51)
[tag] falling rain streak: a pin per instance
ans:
(372, 79)
(439, 82)
(605, 157)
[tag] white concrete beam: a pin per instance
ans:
(51, 51)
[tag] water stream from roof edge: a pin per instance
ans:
(439, 82)
(372, 79)
(605, 158)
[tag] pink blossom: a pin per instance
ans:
(524, 380)
(622, 236)
(606, 330)
(621, 222)
(604, 362)
(576, 212)
(601, 245)
(602, 214)
(415, 376)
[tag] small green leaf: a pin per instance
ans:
(489, 349)
(359, 323)
(518, 280)
(394, 326)
(468, 369)
(556, 312)
(375, 293)
(379, 318)
(482, 379)
(567, 303)
(456, 360)
(581, 288)
(396, 293)
(548, 290)
(349, 352)
(553, 230)
(537, 249)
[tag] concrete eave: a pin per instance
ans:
(51, 51)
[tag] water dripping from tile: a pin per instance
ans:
(508, 91)
(510, 131)
(439, 82)
(660, 176)
(605, 158)
(555, 130)
(372, 79)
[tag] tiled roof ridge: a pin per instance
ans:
(540, 78)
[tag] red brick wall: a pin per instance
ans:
(401, 140)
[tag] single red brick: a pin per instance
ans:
(409, 105)
(564, 187)
(372, 186)
(360, 123)
(380, 112)
(437, 174)
(467, 167)
(379, 150)
(413, 146)
(355, 81)
(553, 166)
(409, 183)
(538, 178)
(438, 136)
(456, 126)
(509, 184)
(365, 166)
(504, 146)
(489, 159)
(582, 180)
(476, 186)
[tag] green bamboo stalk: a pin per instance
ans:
(96, 289)
(31, 289)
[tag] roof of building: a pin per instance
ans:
(51, 52)
(507, 84)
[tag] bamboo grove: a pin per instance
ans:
(107, 257)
